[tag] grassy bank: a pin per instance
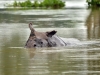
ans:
(54, 4)
(93, 3)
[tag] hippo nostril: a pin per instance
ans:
(34, 45)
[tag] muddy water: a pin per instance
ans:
(80, 59)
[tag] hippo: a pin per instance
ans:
(44, 39)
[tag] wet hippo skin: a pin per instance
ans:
(44, 39)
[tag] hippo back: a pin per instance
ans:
(56, 41)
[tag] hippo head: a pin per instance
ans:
(39, 39)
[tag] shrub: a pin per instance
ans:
(93, 3)
(15, 3)
(35, 4)
(44, 4)
(53, 3)
(27, 3)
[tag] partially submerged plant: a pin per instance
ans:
(44, 4)
(93, 3)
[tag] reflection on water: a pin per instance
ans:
(83, 59)
(93, 24)
(13, 62)
(93, 32)
(94, 62)
(49, 61)
(46, 18)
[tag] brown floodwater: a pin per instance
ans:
(82, 58)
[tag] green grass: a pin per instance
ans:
(53, 4)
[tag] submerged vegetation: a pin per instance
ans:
(93, 3)
(55, 4)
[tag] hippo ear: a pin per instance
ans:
(30, 26)
(51, 33)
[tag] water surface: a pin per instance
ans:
(81, 59)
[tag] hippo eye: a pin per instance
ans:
(41, 42)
